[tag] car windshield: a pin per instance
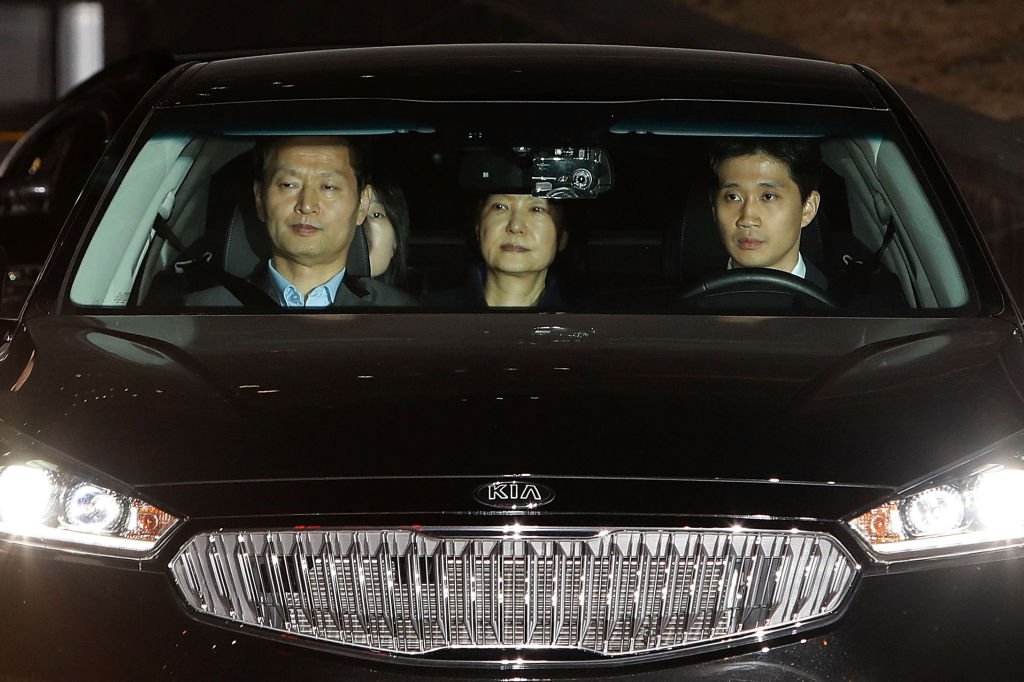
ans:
(654, 207)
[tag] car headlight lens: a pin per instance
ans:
(26, 495)
(94, 509)
(934, 511)
(999, 499)
(43, 505)
(982, 510)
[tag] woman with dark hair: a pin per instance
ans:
(519, 236)
(387, 232)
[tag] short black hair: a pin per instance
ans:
(800, 155)
(357, 155)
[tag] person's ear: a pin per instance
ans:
(257, 191)
(369, 193)
(364, 204)
(563, 240)
(810, 209)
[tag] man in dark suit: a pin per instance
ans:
(311, 194)
(765, 193)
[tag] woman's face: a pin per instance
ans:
(518, 234)
(380, 236)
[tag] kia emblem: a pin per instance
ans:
(514, 494)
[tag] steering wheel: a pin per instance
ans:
(755, 281)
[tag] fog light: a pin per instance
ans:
(934, 511)
(26, 495)
(94, 509)
(999, 499)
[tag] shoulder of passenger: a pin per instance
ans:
(374, 292)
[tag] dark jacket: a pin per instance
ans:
(815, 276)
(470, 296)
(353, 291)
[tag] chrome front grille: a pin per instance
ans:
(611, 593)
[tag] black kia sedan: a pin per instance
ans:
(676, 365)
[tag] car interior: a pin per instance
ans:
(643, 241)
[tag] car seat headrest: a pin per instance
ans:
(697, 247)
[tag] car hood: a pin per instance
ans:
(187, 400)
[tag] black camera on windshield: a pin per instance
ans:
(570, 173)
(549, 173)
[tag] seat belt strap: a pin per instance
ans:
(247, 293)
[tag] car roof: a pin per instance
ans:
(526, 72)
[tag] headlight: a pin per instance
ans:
(44, 505)
(977, 506)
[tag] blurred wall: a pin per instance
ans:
(26, 56)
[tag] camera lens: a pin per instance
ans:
(582, 179)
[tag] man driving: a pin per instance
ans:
(765, 193)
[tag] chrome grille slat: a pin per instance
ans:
(612, 593)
